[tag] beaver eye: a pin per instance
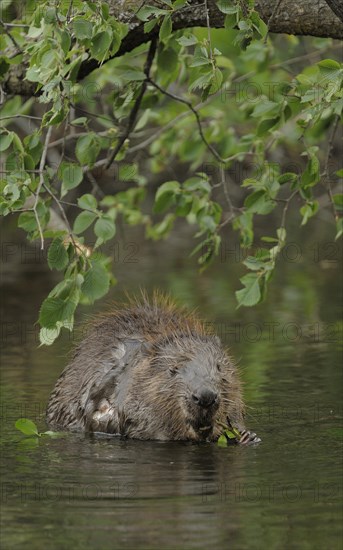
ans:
(219, 367)
(172, 371)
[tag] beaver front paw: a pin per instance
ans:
(248, 438)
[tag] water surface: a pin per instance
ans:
(98, 492)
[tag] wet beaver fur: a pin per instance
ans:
(149, 370)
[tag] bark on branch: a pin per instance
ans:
(320, 18)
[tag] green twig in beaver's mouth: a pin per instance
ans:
(229, 435)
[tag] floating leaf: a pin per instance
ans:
(26, 426)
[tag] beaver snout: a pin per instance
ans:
(205, 398)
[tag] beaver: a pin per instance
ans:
(149, 370)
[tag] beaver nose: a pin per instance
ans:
(205, 398)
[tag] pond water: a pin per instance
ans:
(96, 492)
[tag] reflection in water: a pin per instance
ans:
(100, 492)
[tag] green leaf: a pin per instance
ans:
(5, 141)
(47, 336)
(287, 177)
(54, 310)
(83, 221)
(96, 282)
(269, 239)
(27, 221)
(82, 28)
(65, 41)
(167, 60)
(204, 81)
(71, 175)
(166, 195)
(166, 28)
(308, 210)
(266, 125)
(100, 45)
(80, 121)
(265, 107)
(131, 73)
(87, 149)
(57, 255)
(225, 6)
(50, 15)
(52, 434)
(198, 184)
(329, 64)
(259, 203)
(162, 229)
(250, 295)
(338, 201)
(216, 81)
(187, 40)
(26, 426)
(222, 441)
(149, 25)
(145, 12)
(253, 263)
(87, 201)
(105, 228)
(127, 172)
(229, 434)
(4, 66)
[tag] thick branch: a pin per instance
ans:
(337, 7)
(291, 17)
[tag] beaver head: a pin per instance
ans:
(202, 385)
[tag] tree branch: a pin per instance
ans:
(41, 183)
(337, 7)
(135, 109)
(291, 17)
(196, 114)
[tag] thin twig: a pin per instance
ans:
(226, 192)
(271, 18)
(79, 248)
(158, 132)
(70, 9)
(65, 219)
(104, 117)
(326, 175)
(76, 136)
(208, 29)
(41, 183)
(97, 164)
(284, 212)
(196, 114)
(13, 40)
(95, 185)
(2, 95)
(11, 171)
(20, 116)
(17, 25)
(135, 109)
